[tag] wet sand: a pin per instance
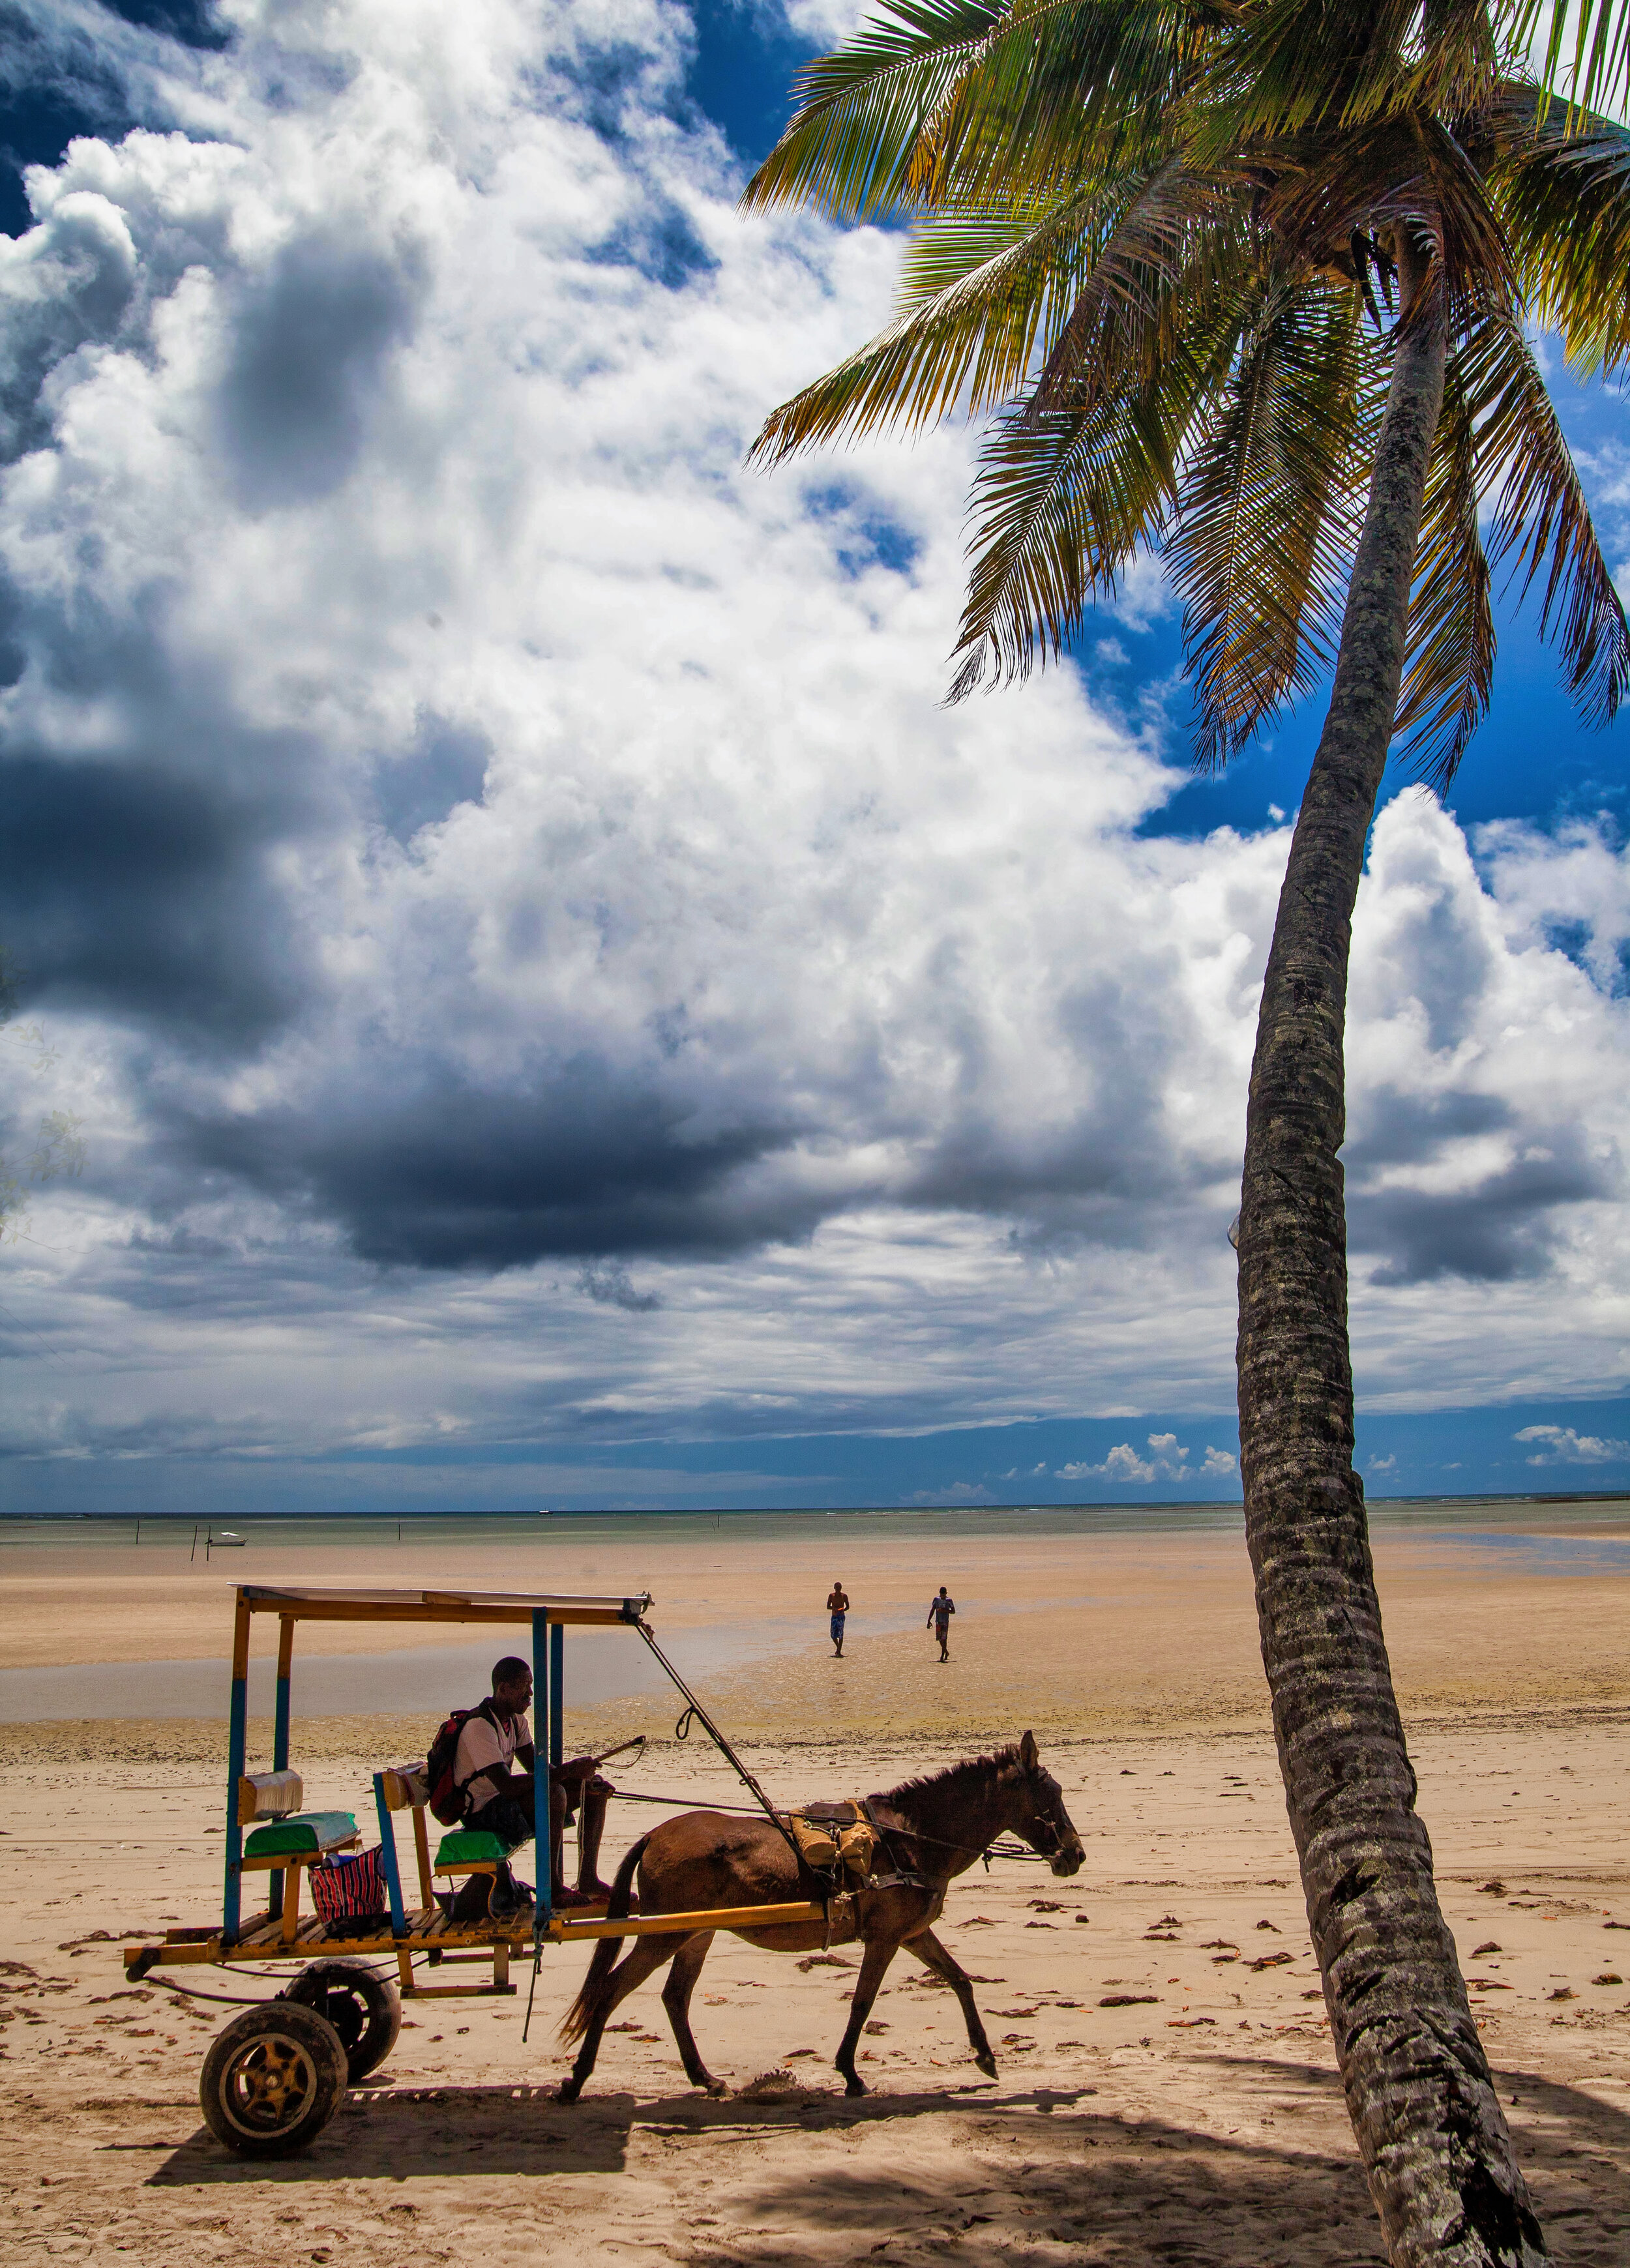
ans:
(1195, 2117)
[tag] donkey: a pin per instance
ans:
(934, 1829)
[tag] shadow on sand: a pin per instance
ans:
(1031, 2164)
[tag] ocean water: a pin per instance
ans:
(350, 1531)
(384, 1531)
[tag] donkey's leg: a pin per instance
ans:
(880, 1951)
(676, 1992)
(646, 1958)
(933, 1955)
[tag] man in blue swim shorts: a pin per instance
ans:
(837, 1607)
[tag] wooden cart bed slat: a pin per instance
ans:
(427, 1934)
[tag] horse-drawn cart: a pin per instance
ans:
(276, 2074)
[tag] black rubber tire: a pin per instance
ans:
(364, 2009)
(272, 2080)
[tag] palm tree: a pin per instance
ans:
(1250, 281)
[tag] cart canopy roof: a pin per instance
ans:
(299, 1603)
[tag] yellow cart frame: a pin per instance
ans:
(425, 1931)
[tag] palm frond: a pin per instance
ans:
(1284, 68)
(1178, 234)
(849, 146)
(982, 294)
(1404, 171)
(1268, 514)
(1594, 65)
(1064, 499)
(1450, 653)
(1562, 185)
(1064, 89)
(936, 100)
(1541, 524)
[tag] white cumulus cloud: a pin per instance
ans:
(532, 958)
(1562, 1445)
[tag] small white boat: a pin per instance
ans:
(225, 1537)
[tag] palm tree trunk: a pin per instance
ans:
(1423, 2106)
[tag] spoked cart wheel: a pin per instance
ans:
(364, 2009)
(272, 2080)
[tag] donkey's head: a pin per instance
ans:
(1044, 1824)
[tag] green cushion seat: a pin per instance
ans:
(307, 1832)
(466, 1848)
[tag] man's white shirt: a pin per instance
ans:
(482, 1742)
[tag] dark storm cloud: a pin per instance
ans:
(145, 896)
(313, 339)
(1390, 1127)
(1498, 1227)
(419, 1169)
(1107, 1174)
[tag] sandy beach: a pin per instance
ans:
(1165, 2090)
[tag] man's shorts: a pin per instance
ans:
(509, 1817)
(837, 1629)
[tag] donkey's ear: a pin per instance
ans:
(1029, 1752)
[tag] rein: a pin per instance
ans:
(997, 1850)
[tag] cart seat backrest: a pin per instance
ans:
(269, 1795)
(406, 1787)
(312, 1834)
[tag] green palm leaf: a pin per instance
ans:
(1594, 63)
(1562, 191)
(862, 110)
(1541, 522)
(1179, 232)
(1283, 66)
(1268, 514)
(934, 98)
(1451, 627)
(982, 294)
(1064, 499)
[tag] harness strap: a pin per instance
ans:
(882, 1825)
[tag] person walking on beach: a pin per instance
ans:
(939, 1613)
(837, 1607)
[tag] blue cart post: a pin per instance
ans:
(542, 1754)
(236, 1741)
(556, 1692)
(392, 1871)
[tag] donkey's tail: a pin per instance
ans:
(589, 2002)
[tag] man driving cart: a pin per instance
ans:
(494, 1767)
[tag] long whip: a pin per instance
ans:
(693, 1708)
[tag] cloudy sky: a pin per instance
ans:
(557, 1010)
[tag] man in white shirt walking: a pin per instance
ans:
(494, 1740)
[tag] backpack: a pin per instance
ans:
(447, 1800)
